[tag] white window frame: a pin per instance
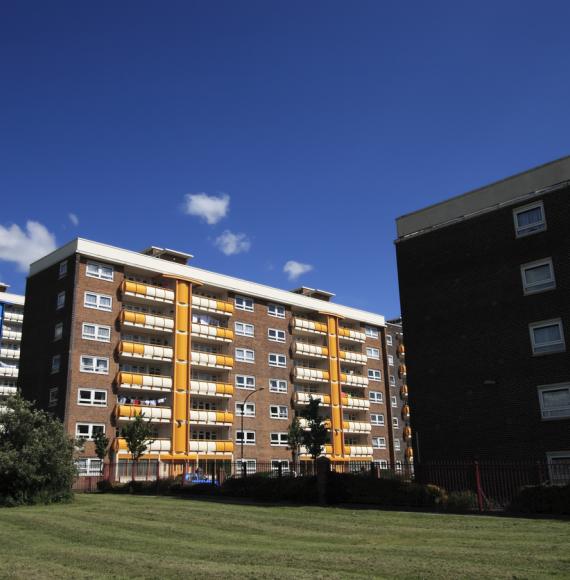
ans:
(280, 442)
(247, 355)
(556, 413)
(553, 347)
(378, 442)
(97, 305)
(93, 466)
(249, 409)
(537, 287)
(246, 379)
(243, 303)
(99, 272)
(371, 332)
(53, 396)
(374, 375)
(279, 362)
(60, 303)
(276, 335)
(250, 466)
(90, 429)
(284, 466)
(377, 419)
(556, 477)
(373, 352)
(96, 360)
(376, 397)
(397, 445)
(63, 269)
(389, 340)
(58, 331)
(395, 423)
(277, 308)
(97, 328)
(248, 439)
(55, 364)
(521, 232)
(390, 360)
(392, 380)
(394, 401)
(278, 387)
(244, 329)
(91, 402)
(276, 412)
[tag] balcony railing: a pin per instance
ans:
(349, 334)
(154, 414)
(304, 398)
(144, 382)
(16, 317)
(9, 334)
(310, 350)
(9, 353)
(309, 326)
(205, 304)
(210, 332)
(355, 403)
(356, 427)
(310, 375)
(348, 401)
(148, 292)
(6, 391)
(163, 445)
(207, 360)
(211, 389)
(353, 380)
(145, 351)
(354, 358)
(212, 447)
(358, 450)
(211, 417)
(147, 321)
(9, 372)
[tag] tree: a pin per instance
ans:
(101, 445)
(36, 456)
(316, 436)
(138, 437)
(296, 439)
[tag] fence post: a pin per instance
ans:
(280, 470)
(158, 476)
(244, 470)
(478, 486)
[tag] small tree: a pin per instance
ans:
(101, 446)
(316, 436)
(295, 438)
(138, 437)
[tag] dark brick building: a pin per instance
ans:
(485, 294)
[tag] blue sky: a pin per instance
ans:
(319, 122)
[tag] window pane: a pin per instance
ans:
(537, 274)
(547, 334)
(529, 217)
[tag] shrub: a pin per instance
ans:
(542, 499)
(260, 487)
(461, 501)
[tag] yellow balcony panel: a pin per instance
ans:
(211, 418)
(9, 353)
(363, 451)
(301, 325)
(311, 375)
(209, 332)
(13, 317)
(140, 350)
(352, 335)
(355, 358)
(9, 372)
(211, 447)
(355, 403)
(310, 350)
(10, 334)
(144, 382)
(404, 391)
(402, 371)
(407, 433)
(147, 292)
(211, 389)
(209, 360)
(356, 427)
(8, 391)
(206, 304)
(353, 380)
(120, 445)
(406, 412)
(401, 350)
(147, 321)
(304, 398)
(154, 414)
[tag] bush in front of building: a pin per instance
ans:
(460, 502)
(264, 488)
(36, 456)
(542, 499)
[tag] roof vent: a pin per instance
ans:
(314, 293)
(168, 255)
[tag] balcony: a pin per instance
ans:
(216, 361)
(211, 447)
(9, 353)
(348, 402)
(206, 304)
(9, 334)
(211, 418)
(310, 375)
(404, 392)
(9, 372)
(120, 445)
(356, 427)
(352, 335)
(16, 317)
(310, 350)
(304, 398)
(304, 451)
(146, 321)
(402, 371)
(147, 292)
(355, 403)
(304, 424)
(353, 380)
(209, 332)
(358, 450)
(405, 412)
(211, 389)
(353, 358)
(144, 382)
(302, 326)
(142, 351)
(6, 391)
(401, 351)
(154, 414)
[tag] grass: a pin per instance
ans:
(112, 536)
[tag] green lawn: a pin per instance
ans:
(161, 537)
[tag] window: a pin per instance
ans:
(559, 467)
(395, 423)
(280, 439)
(389, 339)
(379, 442)
(245, 382)
(377, 419)
(63, 269)
(53, 396)
(276, 463)
(60, 300)
(371, 332)
(55, 363)
(276, 335)
(245, 355)
(243, 303)
(277, 386)
(250, 466)
(278, 411)
(96, 332)
(382, 464)
(88, 430)
(397, 445)
(92, 397)
(101, 271)
(529, 219)
(93, 364)
(249, 410)
(376, 396)
(390, 360)
(58, 331)
(276, 310)
(249, 437)
(243, 329)
(277, 360)
(394, 401)
(374, 375)
(538, 276)
(372, 352)
(547, 336)
(98, 301)
(87, 466)
(554, 401)
(392, 381)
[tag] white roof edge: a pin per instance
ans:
(105, 252)
(9, 298)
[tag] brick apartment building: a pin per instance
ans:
(485, 285)
(11, 318)
(110, 333)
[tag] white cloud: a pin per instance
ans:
(230, 243)
(209, 207)
(24, 247)
(73, 219)
(295, 269)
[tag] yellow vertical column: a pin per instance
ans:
(181, 369)
(334, 378)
